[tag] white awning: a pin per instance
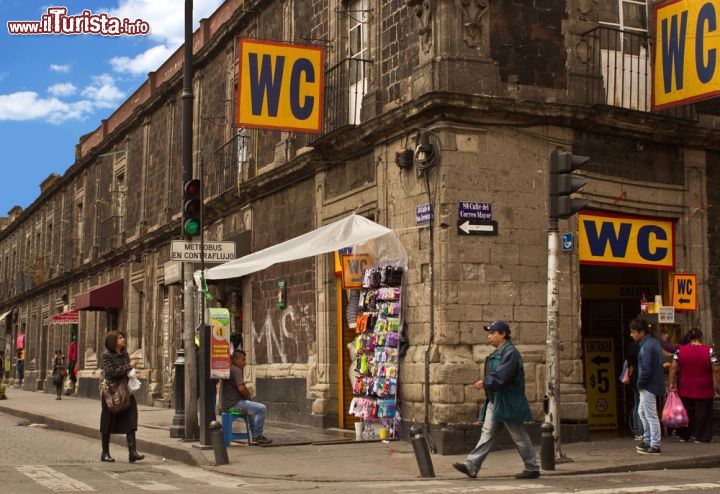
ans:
(348, 232)
(4, 315)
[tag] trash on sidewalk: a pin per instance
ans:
(39, 426)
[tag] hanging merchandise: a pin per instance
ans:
(377, 364)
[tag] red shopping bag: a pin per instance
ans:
(674, 415)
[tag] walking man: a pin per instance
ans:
(650, 383)
(236, 395)
(505, 404)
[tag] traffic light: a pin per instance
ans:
(563, 183)
(192, 207)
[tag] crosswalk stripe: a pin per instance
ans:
(145, 485)
(52, 479)
(210, 478)
(648, 488)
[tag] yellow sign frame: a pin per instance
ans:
(353, 279)
(277, 100)
(600, 383)
(635, 237)
(679, 76)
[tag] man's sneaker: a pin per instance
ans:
(650, 451)
(528, 474)
(638, 437)
(261, 441)
(642, 446)
(462, 468)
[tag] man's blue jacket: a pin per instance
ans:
(651, 376)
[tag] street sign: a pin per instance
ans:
(214, 251)
(568, 242)
(474, 210)
(685, 292)
(600, 383)
(423, 214)
(477, 227)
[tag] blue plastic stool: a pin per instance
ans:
(227, 419)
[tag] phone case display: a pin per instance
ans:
(376, 342)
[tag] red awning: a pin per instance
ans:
(69, 317)
(103, 297)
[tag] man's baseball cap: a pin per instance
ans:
(500, 326)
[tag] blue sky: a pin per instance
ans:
(56, 88)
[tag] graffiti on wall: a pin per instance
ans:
(285, 336)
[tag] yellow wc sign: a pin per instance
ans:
(280, 86)
(623, 240)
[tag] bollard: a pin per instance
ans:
(547, 447)
(218, 443)
(422, 452)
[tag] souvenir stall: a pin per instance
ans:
(377, 344)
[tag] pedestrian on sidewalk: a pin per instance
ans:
(236, 395)
(651, 384)
(72, 360)
(20, 358)
(59, 373)
(116, 364)
(693, 373)
(505, 404)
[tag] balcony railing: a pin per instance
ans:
(228, 168)
(619, 72)
(345, 86)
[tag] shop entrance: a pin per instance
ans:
(610, 300)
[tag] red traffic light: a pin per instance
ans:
(192, 188)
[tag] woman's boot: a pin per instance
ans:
(132, 448)
(106, 449)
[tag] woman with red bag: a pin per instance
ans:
(694, 371)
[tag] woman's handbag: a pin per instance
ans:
(116, 395)
(674, 415)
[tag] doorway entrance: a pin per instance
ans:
(610, 300)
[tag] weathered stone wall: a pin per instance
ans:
(526, 39)
(398, 47)
(713, 221)
(284, 335)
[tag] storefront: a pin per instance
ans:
(627, 264)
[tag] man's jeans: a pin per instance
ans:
(488, 437)
(637, 423)
(649, 418)
(256, 413)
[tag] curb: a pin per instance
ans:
(188, 457)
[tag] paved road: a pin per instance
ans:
(40, 460)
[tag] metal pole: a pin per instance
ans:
(206, 413)
(552, 364)
(191, 418)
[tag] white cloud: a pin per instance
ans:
(103, 93)
(28, 105)
(145, 62)
(63, 69)
(166, 19)
(62, 89)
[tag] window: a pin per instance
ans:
(358, 52)
(629, 15)
(79, 224)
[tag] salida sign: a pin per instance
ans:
(611, 239)
(280, 86)
(686, 52)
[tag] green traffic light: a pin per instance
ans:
(192, 227)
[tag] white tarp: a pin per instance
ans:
(353, 231)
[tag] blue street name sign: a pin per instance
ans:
(474, 210)
(423, 213)
(568, 242)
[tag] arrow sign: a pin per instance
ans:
(598, 360)
(684, 300)
(477, 227)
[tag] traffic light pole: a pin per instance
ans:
(206, 411)
(191, 416)
(552, 345)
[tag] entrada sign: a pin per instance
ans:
(685, 64)
(280, 86)
(606, 238)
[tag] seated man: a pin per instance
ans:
(235, 395)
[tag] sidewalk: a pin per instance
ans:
(304, 453)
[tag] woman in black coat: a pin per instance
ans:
(116, 364)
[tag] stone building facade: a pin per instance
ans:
(498, 85)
